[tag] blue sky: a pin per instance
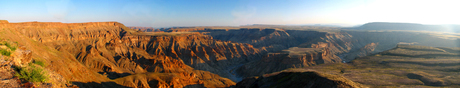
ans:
(167, 13)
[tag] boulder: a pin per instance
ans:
(22, 57)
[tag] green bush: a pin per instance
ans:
(5, 52)
(12, 48)
(41, 63)
(9, 46)
(32, 74)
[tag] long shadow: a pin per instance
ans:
(98, 85)
(114, 75)
(195, 86)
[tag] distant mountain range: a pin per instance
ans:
(407, 26)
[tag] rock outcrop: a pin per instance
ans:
(7, 75)
(3, 21)
(21, 56)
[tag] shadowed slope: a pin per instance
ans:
(298, 78)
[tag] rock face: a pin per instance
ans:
(91, 54)
(338, 43)
(22, 57)
(7, 75)
(292, 58)
(364, 51)
(347, 45)
(198, 51)
(298, 78)
(271, 40)
(108, 54)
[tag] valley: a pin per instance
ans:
(109, 54)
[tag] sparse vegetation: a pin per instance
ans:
(41, 63)
(13, 48)
(31, 73)
(5, 52)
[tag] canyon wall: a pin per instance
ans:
(347, 45)
(291, 58)
(104, 53)
(108, 54)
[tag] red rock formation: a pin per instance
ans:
(198, 51)
(22, 57)
(95, 52)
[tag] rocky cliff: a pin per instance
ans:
(291, 58)
(198, 51)
(364, 51)
(269, 39)
(92, 54)
(108, 54)
(347, 45)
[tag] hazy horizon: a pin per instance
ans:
(176, 13)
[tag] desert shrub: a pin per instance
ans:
(41, 63)
(13, 48)
(5, 52)
(32, 74)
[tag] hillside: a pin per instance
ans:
(291, 58)
(98, 54)
(108, 54)
(408, 26)
(403, 66)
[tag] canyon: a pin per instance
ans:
(109, 54)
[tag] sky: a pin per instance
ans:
(169, 13)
